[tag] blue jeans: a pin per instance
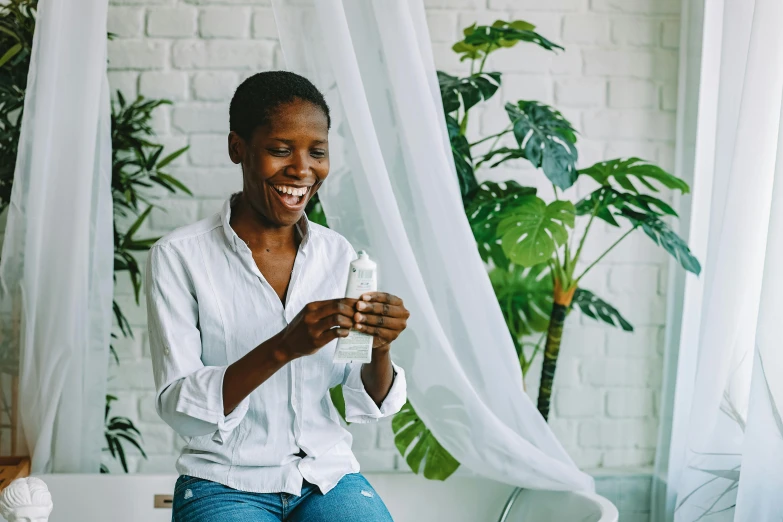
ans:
(351, 500)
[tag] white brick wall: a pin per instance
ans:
(616, 81)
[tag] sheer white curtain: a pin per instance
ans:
(726, 454)
(57, 259)
(393, 191)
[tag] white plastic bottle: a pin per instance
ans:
(362, 278)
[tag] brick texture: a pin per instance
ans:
(616, 81)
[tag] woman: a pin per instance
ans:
(244, 310)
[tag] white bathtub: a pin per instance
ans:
(410, 498)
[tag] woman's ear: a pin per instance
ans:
(236, 147)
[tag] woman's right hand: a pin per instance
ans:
(316, 325)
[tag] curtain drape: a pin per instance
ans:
(393, 191)
(726, 453)
(57, 259)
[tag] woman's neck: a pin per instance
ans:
(258, 233)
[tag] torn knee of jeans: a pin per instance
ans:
(367, 494)
(188, 494)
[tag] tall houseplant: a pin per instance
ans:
(532, 247)
(137, 167)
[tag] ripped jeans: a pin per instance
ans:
(351, 500)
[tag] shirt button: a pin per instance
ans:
(166, 351)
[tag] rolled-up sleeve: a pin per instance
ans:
(189, 394)
(360, 407)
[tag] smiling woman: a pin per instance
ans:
(281, 139)
(243, 311)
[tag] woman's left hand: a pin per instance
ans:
(381, 315)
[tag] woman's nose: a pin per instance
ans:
(301, 165)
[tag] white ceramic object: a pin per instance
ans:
(26, 500)
(410, 498)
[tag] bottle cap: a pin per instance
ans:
(363, 254)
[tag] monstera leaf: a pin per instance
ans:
(629, 174)
(598, 309)
(490, 203)
(545, 138)
(660, 232)
(608, 202)
(462, 159)
(482, 40)
(417, 444)
(525, 298)
(531, 235)
(466, 92)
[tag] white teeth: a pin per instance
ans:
(294, 191)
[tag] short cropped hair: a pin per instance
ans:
(256, 99)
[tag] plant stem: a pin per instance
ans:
(492, 147)
(554, 336)
(604, 255)
(463, 125)
(506, 130)
(537, 347)
(584, 237)
(497, 136)
(484, 60)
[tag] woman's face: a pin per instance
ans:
(284, 162)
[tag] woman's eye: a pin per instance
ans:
(318, 153)
(279, 152)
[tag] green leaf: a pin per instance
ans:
(122, 321)
(598, 309)
(9, 32)
(466, 92)
(546, 139)
(171, 157)
(417, 444)
(10, 53)
(463, 160)
(489, 204)
(657, 230)
(506, 34)
(114, 355)
(624, 172)
(132, 441)
(610, 203)
(174, 181)
(338, 400)
(525, 298)
(532, 234)
(136, 225)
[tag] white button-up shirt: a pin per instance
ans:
(208, 305)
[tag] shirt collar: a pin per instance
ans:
(303, 226)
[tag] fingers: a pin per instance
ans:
(334, 333)
(331, 321)
(317, 310)
(386, 334)
(382, 297)
(391, 323)
(386, 309)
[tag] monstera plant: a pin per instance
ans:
(533, 249)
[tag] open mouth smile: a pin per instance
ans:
(292, 197)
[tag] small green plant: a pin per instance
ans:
(137, 168)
